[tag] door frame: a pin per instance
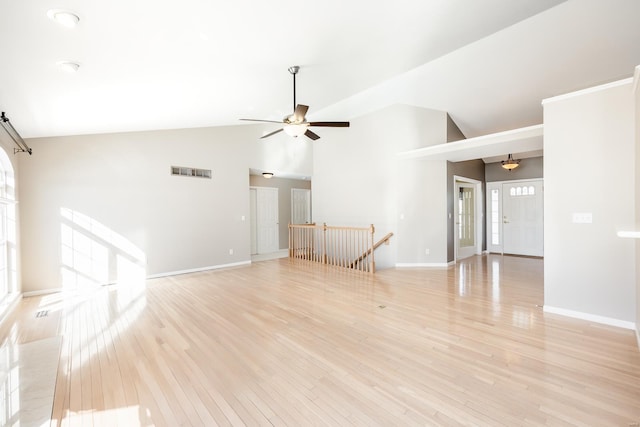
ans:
(500, 186)
(479, 217)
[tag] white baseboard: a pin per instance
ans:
(591, 317)
(42, 292)
(197, 270)
(282, 253)
(152, 276)
(424, 264)
(638, 336)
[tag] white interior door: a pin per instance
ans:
(253, 221)
(267, 235)
(466, 220)
(300, 206)
(522, 218)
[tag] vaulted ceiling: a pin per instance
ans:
(155, 64)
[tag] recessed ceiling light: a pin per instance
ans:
(68, 66)
(64, 17)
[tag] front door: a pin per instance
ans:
(522, 217)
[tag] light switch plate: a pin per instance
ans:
(582, 217)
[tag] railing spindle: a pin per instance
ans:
(348, 247)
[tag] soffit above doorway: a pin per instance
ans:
(523, 140)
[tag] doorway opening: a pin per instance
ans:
(468, 214)
(275, 203)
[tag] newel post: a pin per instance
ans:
(324, 242)
(372, 269)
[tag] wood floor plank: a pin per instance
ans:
(286, 342)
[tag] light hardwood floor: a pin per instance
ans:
(289, 343)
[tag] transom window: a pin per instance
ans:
(522, 191)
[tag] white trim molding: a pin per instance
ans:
(197, 270)
(590, 317)
(282, 253)
(425, 264)
(496, 144)
(41, 292)
(588, 90)
(152, 276)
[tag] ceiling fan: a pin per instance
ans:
(296, 124)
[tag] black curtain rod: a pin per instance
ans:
(13, 133)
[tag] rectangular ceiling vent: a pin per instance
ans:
(197, 173)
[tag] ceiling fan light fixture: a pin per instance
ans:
(68, 66)
(510, 164)
(295, 130)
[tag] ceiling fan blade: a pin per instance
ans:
(300, 112)
(272, 133)
(259, 120)
(311, 135)
(330, 124)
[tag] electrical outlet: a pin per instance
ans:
(426, 251)
(230, 251)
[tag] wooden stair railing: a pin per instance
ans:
(384, 240)
(348, 247)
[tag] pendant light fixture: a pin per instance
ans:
(510, 164)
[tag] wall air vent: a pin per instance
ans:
(194, 172)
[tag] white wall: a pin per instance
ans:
(422, 212)
(589, 167)
(358, 181)
(121, 183)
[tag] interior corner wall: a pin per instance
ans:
(93, 204)
(357, 179)
(453, 131)
(589, 169)
(284, 186)
(474, 169)
(530, 168)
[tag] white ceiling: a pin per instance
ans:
(155, 64)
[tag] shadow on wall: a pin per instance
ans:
(93, 255)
